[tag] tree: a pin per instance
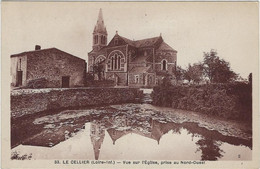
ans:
(194, 72)
(216, 69)
(210, 149)
(187, 73)
(209, 63)
(179, 73)
(166, 81)
(98, 69)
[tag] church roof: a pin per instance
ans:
(100, 26)
(165, 46)
(143, 42)
(128, 41)
(147, 42)
(42, 51)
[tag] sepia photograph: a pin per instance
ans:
(155, 84)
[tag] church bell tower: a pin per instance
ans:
(99, 33)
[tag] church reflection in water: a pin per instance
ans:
(208, 143)
(119, 126)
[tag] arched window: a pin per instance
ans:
(164, 65)
(136, 78)
(115, 60)
(103, 40)
(95, 39)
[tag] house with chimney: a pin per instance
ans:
(56, 67)
(137, 63)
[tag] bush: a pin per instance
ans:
(230, 101)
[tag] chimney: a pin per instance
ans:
(37, 47)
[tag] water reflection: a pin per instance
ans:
(210, 149)
(109, 126)
(121, 125)
(97, 135)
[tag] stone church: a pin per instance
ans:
(138, 63)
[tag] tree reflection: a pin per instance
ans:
(210, 149)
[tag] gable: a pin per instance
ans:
(117, 41)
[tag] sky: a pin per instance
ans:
(191, 28)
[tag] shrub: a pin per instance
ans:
(230, 101)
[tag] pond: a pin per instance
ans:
(122, 132)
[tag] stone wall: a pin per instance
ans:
(53, 64)
(100, 83)
(29, 101)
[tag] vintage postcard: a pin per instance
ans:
(130, 85)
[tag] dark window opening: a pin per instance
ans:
(103, 39)
(19, 78)
(164, 66)
(20, 64)
(118, 62)
(95, 39)
(136, 78)
(112, 63)
(65, 82)
(115, 62)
